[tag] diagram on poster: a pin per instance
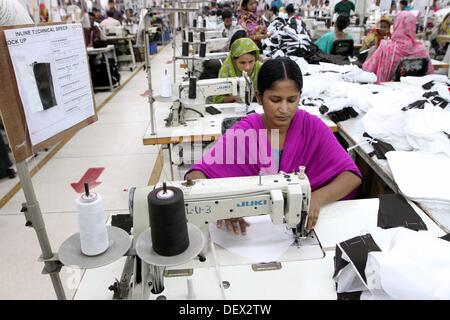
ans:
(52, 74)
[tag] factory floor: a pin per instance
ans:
(114, 143)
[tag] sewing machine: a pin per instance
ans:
(116, 31)
(185, 109)
(213, 45)
(211, 34)
(197, 65)
(285, 197)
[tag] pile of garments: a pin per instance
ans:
(413, 120)
(286, 37)
(393, 264)
(336, 90)
(289, 37)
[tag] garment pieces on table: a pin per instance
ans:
(405, 264)
(380, 147)
(394, 211)
(421, 175)
(350, 262)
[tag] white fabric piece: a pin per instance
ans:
(414, 265)
(425, 79)
(421, 175)
(424, 129)
(264, 242)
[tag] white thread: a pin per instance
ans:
(91, 219)
(367, 141)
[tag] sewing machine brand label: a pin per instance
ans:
(252, 203)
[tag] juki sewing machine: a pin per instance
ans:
(118, 31)
(212, 34)
(285, 197)
(192, 95)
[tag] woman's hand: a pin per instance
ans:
(314, 210)
(231, 99)
(235, 225)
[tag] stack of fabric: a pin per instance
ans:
(393, 264)
(411, 121)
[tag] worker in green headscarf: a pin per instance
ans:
(243, 56)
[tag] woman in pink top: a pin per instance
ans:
(403, 44)
(251, 22)
(282, 139)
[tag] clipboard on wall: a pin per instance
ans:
(46, 93)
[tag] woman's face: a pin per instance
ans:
(280, 103)
(246, 62)
(384, 28)
(252, 5)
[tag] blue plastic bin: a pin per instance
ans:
(152, 48)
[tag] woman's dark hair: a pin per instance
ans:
(404, 2)
(227, 14)
(244, 4)
(275, 10)
(237, 35)
(342, 22)
(290, 9)
(279, 69)
(253, 53)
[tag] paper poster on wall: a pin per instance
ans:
(52, 73)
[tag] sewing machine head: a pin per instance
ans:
(115, 31)
(285, 197)
(238, 86)
(192, 96)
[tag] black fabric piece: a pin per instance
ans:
(439, 102)
(168, 222)
(380, 147)
(340, 264)
(394, 211)
(430, 94)
(446, 237)
(44, 81)
(419, 104)
(342, 115)
(123, 221)
(428, 85)
(357, 249)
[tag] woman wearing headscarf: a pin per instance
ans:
(374, 37)
(284, 138)
(243, 56)
(403, 44)
(251, 22)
